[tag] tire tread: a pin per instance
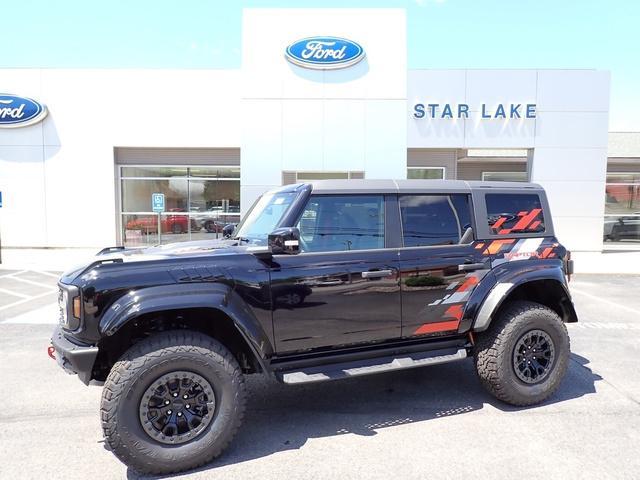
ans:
(490, 350)
(137, 358)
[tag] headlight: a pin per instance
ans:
(69, 307)
(63, 298)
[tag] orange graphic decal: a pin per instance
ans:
(437, 327)
(454, 311)
(527, 219)
(545, 253)
(495, 246)
(468, 283)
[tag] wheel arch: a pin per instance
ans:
(211, 309)
(547, 290)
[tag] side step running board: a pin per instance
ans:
(374, 365)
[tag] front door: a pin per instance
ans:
(343, 288)
(438, 239)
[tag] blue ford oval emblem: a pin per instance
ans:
(324, 53)
(18, 111)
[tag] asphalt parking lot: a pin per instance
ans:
(433, 423)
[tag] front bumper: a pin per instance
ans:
(74, 358)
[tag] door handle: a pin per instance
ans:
(377, 273)
(470, 267)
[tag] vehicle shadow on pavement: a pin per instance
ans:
(281, 417)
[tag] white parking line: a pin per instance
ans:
(28, 299)
(15, 294)
(604, 300)
(54, 275)
(605, 326)
(13, 273)
(31, 282)
(47, 315)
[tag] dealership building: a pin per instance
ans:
(83, 172)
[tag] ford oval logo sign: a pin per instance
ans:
(324, 53)
(18, 111)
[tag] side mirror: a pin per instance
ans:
(284, 240)
(227, 230)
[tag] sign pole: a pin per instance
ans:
(157, 205)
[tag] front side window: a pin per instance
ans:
(430, 220)
(509, 213)
(331, 223)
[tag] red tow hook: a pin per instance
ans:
(51, 351)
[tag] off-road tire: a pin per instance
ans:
(493, 353)
(132, 374)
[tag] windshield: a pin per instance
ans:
(264, 216)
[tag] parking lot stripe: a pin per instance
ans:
(13, 273)
(46, 315)
(43, 285)
(54, 275)
(25, 300)
(606, 325)
(604, 300)
(15, 294)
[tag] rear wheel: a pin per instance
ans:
(172, 402)
(523, 356)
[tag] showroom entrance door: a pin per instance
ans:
(199, 199)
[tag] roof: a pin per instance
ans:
(412, 186)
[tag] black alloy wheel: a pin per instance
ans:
(177, 407)
(533, 356)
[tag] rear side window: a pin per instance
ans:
(429, 220)
(509, 213)
(336, 223)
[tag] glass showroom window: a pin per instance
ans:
(309, 176)
(425, 173)
(504, 177)
(622, 208)
(199, 201)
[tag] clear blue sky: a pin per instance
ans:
(600, 34)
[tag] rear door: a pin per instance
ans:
(343, 288)
(440, 264)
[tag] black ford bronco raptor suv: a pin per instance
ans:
(320, 281)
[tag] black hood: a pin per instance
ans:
(190, 249)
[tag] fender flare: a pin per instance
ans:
(508, 282)
(215, 296)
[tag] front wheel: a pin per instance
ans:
(173, 402)
(523, 357)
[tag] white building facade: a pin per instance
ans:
(213, 140)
